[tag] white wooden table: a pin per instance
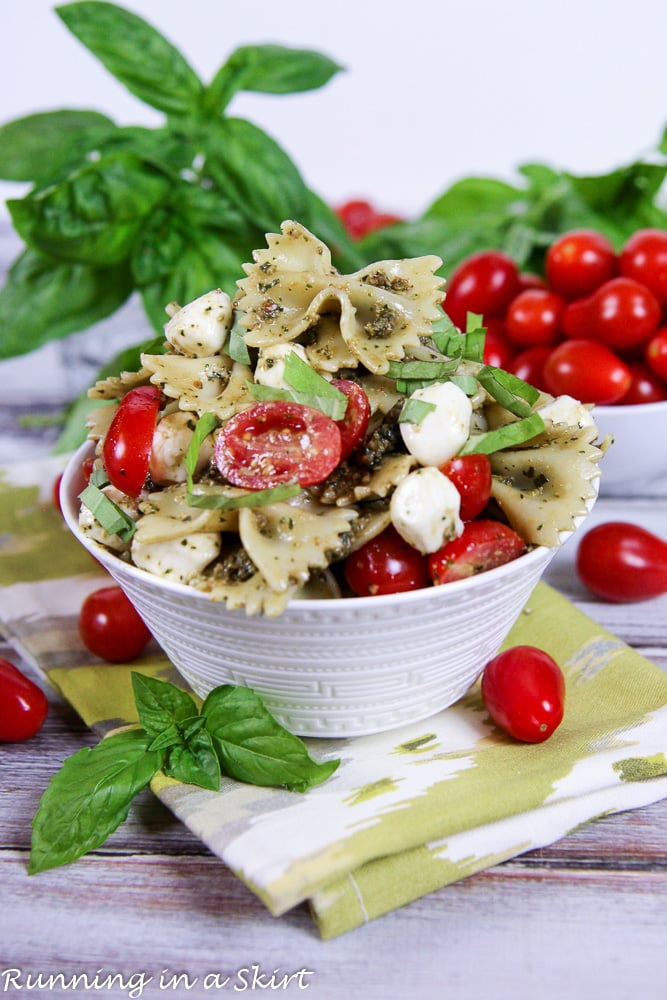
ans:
(583, 918)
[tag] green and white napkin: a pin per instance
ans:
(408, 811)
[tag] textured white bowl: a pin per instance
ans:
(338, 667)
(638, 456)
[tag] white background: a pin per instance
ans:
(432, 91)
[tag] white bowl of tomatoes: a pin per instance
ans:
(329, 667)
(593, 326)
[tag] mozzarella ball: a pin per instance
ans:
(171, 440)
(443, 431)
(270, 368)
(200, 328)
(425, 509)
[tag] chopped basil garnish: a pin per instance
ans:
(217, 500)
(108, 514)
(511, 392)
(235, 345)
(450, 341)
(205, 425)
(306, 387)
(414, 411)
(504, 437)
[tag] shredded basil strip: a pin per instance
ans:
(511, 392)
(450, 341)
(235, 345)
(431, 371)
(414, 411)
(205, 425)
(325, 404)
(254, 498)
(108, 514)
(504, 437)
(99, 478)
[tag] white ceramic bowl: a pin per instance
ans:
(338, 667)
(638, 457)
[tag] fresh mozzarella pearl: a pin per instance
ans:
(200, 328)
(175, 560)
(171, 440)
(566, 410)
(270, 368)
(442, 432)
(425, 509)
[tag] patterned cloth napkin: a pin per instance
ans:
(408, 811)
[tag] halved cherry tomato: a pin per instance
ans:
(579, 262)
(274, 442)
(127, 446)
(622, 562)
(587, 370)
(482, 546)
(111, 627)
(484, 283)
(354, 424)
(471, 475)
(386, 565)
(23, 705)
(524, 692)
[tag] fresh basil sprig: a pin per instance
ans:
(306, 387)
(233, 734)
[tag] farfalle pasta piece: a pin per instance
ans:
(215, 384)
(543, 487)
(384, 309)
(116, 386)
(166, 515)
(253, 595)
(285, 542)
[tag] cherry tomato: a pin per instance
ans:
(471, 475)
(529, 280)
(386, 565)
(645, 387)
(587, 370)
(354, 424)
(533, 317)
(655, 353)
(23, 705)
(529, 365)
(524, 692)
(56, 492)
(579, 262)
(111, 627)
(622, 314)
(127, 446)
(360, 218)
(482, 546)
(274, 442)
(498, 348)
(622, 562)
(484, 283)
(644, 258)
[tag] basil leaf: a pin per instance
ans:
(475, 203)
(308, 388)
(507, 389)
(90, 797)
(136, 53)
(209, 259)
(108, 514)
(235, 346)
(93, 216)
(507, 436)
(269, 69)
(43, 299)
(252, 746)
(194, 760)
(206, 423)
(414, 411)
(333, 408)
(422, 370)
(160, 704)
(214, 499)
(256, 174)
(37, 147)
